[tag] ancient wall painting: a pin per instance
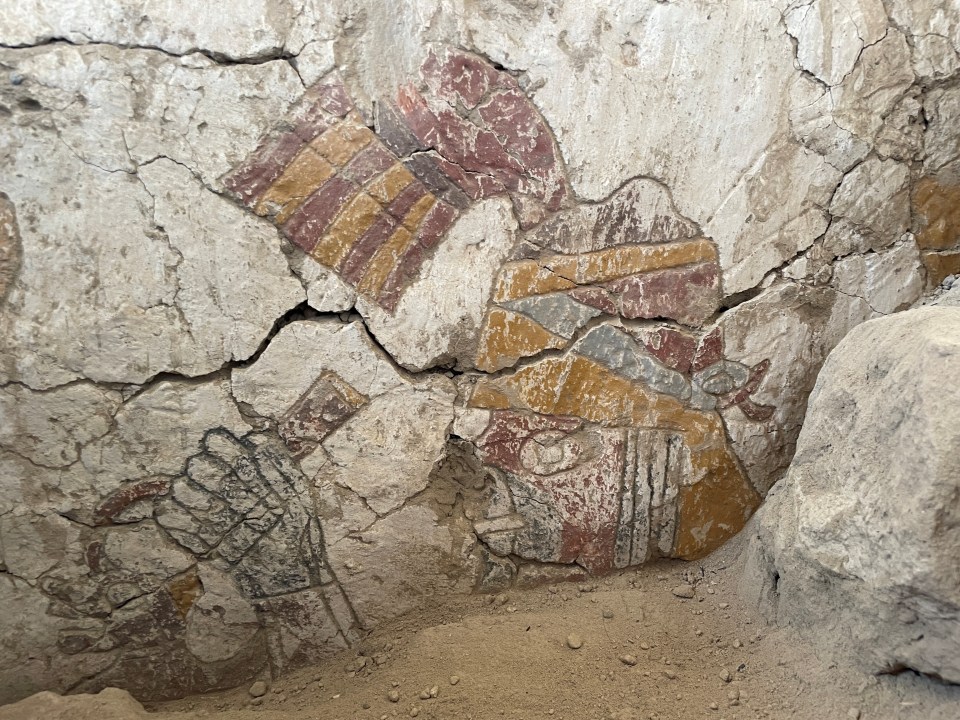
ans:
(937, 210)
(231, 577)
(614, 457)
(604, 446)
(374, 207)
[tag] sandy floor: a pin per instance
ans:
(645, 654)
(624, 648)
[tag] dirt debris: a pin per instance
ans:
(657, 658)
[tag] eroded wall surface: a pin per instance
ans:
(312, 310)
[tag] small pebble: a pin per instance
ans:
(670, 674)
(684, 591)
(853, 713)
(393, 696)
(737, 644)
(434, 691)
(258, 689)
(424, 694)
(414, 711)
(628, 660)
(725, 675)
(574, 641)
(714, 706)
(608, 614)
(454, 679)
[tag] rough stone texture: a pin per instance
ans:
(786, 321)
(887, 281)
(867, 514)
(10, 250)
(830, 36)
(109, 704)
(313, 310)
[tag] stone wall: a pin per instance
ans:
(315, 309)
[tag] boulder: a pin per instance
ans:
(109, 704)
(858, 545)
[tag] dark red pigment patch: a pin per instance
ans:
(311, 220)
(688, 294)
(127, 496)
(432, 229)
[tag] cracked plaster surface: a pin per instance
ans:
(147, 309)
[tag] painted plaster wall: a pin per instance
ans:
(314, 309)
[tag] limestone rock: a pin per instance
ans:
(127, 120)
(257, 28)
(10, 250)
(50, 428)
(765, 220)
(108, 704)
(868, 93)
(28, 628)
(220, 622)
(941, 151)
(326, 292)
(814, 126)
(936, 36)
(871, 208)
(33, 543)
(867, 513)
(173, 296)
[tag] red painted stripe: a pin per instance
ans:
(432, 229)
(373, 160)
(407, 198)
(311, 220)
(354, 265)
(267, 163)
